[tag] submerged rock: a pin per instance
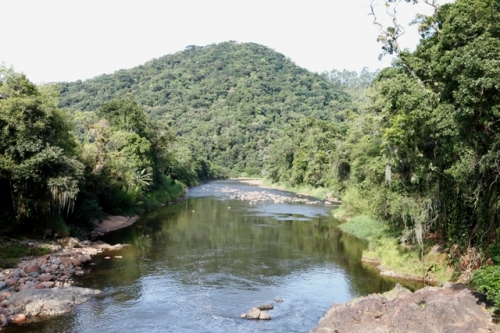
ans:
(453, 308)
(257, 313)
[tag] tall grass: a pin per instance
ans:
(364, 227)
(320, 192)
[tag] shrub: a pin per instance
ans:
(487, 280)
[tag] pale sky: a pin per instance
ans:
(66, 40)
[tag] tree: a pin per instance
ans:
(442, 104)
(39, 173)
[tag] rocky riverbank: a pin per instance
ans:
(453, 308)
(44, 285)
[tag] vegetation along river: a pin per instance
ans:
(197, 265)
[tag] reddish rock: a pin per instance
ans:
(46, 277)
(23, 287)
(48, 284)
(54, 267)
(40, 286)
(76, 262)
(3, 320)
(32, 268)
(65, 261)
(11, 282)
(4, 295)
(18, 318)
(84, 258)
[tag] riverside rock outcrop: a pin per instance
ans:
(48, 302)
(43, 286)
(453, 308)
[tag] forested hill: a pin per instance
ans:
(227, 101)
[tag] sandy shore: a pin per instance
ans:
(114, 222)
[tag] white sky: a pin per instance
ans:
(67, 40)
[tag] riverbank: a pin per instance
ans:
(43, 285)
(117, 222)
(384, 252)
(396, 258)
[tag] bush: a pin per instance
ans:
(355, 202)
(487, 280)
(364, 227)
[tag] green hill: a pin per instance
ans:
(226, 101)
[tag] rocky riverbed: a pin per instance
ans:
(453, 308)
(255, 197)
(43, 286)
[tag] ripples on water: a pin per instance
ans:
(197, 265)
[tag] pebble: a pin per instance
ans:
(18, 318)
(46, 277)
(4, 295)
(49, 284)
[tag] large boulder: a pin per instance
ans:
(451, 309)
(48, 302)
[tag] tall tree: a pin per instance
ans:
(39, 173)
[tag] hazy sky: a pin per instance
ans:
(66, 40)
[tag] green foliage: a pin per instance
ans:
(227, 102)
(11, 252)
(39, 173)
(422, 152)
(494, 252)
(487, 280)
(364, 227)
(440, 103)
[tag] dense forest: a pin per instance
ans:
(58, 169)
(422, 154)
(226, 102)
(415, 146)
(127, 142)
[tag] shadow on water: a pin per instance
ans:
(197, 265)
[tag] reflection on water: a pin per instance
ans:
(197, 265)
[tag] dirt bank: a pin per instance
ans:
(113, 222)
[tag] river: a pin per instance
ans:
(197, 265)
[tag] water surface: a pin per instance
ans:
(197, 265)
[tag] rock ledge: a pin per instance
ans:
(453, 308)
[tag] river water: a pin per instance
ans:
(197, 265)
